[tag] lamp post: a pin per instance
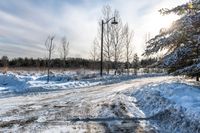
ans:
(114, 22)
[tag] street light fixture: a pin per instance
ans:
(114, 22)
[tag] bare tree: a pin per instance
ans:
(50, 47)
(94, 54)
(113, 38)
(94, 50)
(107, 44)
(64, 50)
(128, 35)
(117, 40)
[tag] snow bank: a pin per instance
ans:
(184, 95)
(12, 83)
(36, 82)
(175, 104)
(55, 77)
(21, 83)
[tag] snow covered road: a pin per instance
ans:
(106, 108)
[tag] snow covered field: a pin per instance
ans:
(74, 102)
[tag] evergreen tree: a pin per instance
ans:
(181, 41)
(135, 63)
(5, 61)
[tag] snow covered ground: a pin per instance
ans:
(88, 103)
(172, 105)
(22, 83)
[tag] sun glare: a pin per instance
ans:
(156, 22)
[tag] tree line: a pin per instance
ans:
(69, 63)
(40, 63)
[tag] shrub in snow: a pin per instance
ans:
(55, 77)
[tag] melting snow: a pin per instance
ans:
(170, 103)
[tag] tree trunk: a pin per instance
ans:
(135, 71)
(116, 68)
(48, 75)
(50, 50)
(108, 67)
(64, 63)
(48, 71)
(127, 60)
(197, 78)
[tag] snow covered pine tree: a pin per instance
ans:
(180, 42)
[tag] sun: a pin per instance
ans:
(155, 22)
(166, 21)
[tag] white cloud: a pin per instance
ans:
(29, 28)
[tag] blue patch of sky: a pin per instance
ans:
(147, 7)
(10, 6)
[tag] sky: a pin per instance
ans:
(25, 24)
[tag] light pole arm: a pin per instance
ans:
(109, 20)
